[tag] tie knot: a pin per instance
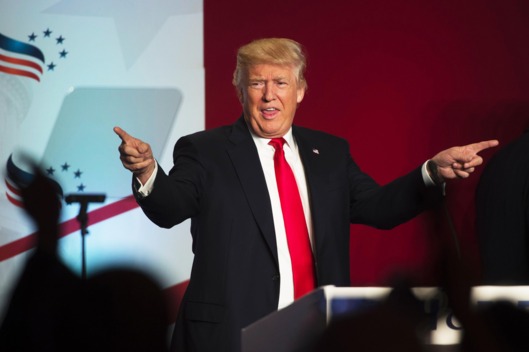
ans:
(277, 143)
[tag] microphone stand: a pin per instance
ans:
(82, 218)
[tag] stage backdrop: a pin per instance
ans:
(400, 80)
(71, 70)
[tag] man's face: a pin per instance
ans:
(269, 96)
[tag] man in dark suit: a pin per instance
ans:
(502, 215)
(224, 180)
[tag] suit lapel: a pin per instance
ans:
(245, 159)
(312, 158)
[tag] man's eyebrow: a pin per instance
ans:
(260, 78)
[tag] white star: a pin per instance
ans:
(137, 21)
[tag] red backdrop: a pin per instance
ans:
(401, 80)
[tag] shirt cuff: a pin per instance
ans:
(425, 176)
(428, 181)
(145, 189)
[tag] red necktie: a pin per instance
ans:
(295, 225)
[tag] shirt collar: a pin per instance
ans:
(261, 142)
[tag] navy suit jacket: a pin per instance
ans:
(502, 215)
(217, 181)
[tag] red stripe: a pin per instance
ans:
(18, 72)
(23, 62)
(13, 189)
(70, 226)
(14, 201)
(174, 295)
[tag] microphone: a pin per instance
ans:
(85, 198)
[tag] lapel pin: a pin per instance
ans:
(315, 151)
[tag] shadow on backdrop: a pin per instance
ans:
(52, 309)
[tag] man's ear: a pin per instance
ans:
(240, 95)
(300, 94)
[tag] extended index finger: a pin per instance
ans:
(124, 136)
(478, 147)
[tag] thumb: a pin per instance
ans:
(143, 147)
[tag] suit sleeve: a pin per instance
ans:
(175, 197)
(387, 206)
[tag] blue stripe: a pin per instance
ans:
(23, 179)
(20, 177)
(15, 46)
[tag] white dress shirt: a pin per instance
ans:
(266, 156)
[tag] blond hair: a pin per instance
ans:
(275, 51)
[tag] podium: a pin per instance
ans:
(300, 325)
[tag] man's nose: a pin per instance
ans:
(268, 92)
